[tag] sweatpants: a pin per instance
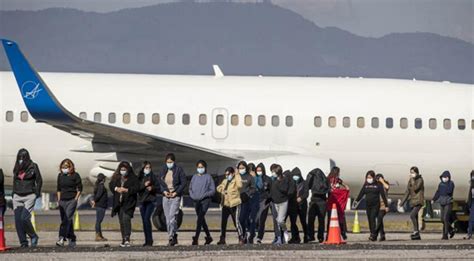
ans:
(281, 210)
(372, 213)
(262, 217)
(125, 221)
(171, 209)
(446, 219)
(23, 206)
(380, 227)
(234, 213)
(67, 208)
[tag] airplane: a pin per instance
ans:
(358, 124)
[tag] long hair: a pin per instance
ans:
(142, 170)
(371, 174)
(71, 166)
(243, 163)
(24, 155)
(334, 172)
(203, 163)
(123, 164)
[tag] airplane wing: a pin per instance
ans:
(44, 107)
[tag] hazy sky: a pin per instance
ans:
(375, 18)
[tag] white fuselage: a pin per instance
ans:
(355, 149)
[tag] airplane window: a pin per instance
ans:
(24, 116)
(447, 124)
(220, 119)
(360, 122)
(140, 118)
(275, 121)
(375, 122)
(83, 115)
(261, 120)
(126, 118)
(432, 124)
(346, 122)
(461, 124)
(155, 118)
(9, 116)
(318, 122)
(389, 123)
(202, 119)
(170, 119)
(248, 120)
(234, 120)
(332, 122)
(112, 117)
(97, 117)
(403, 123)
(418, 123)
(289, 121)
(472, 124)
(186, 119)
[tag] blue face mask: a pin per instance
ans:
(296, 178)
(200, 170)
(20, 161)
(146, 171)
(242, 171)
(170, 165)
(229, 177)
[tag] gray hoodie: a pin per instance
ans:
(202, 186)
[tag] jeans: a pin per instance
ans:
(23, 206)
(99, 217)
(201, 207)
(445, 219)
(317, 207)
(262, 217)
(380, 229)
(171, 209)
(125, 221)
(298, 210)
(372, 213)
(414, 218)
(281, 210)
(67, 208)
(471, 219)
(234, 213)
(146, 211)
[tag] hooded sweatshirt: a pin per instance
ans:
(201, 187)
(266, 184)
(444, 193)
(301, 186)
(318, 183)
(26, 176)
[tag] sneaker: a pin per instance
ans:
(274, 240)
(277, 242)
(452, 233)
(125, 244)
(286, 236)
(415, 236)
(72, 243)
(468, 237)
(60, 242)
(259, 241)
(34, 241)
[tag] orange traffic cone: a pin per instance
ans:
(334, 233)
(3, 246)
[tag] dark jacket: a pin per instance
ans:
(415, 191)
(129, 199)
(31, 182)
(301, 187)
(144, 195)
(2, 189)
(249, 187)
(444, 193)
(100, 196)
(69, 185)
(372, 193)
(318, 184)
(281, 190)
(267, 184)
(179, 180)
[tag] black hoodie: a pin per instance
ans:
(267, 184)
(318, 183)
(26, 176)
(301, 186)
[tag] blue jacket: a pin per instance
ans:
(445, 189)
(179, 180)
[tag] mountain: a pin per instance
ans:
(243, 38)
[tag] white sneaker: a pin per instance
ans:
(60, 242)
(286, 236)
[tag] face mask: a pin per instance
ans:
(445, 179)
(413, 175)
(200, 170)
(242, 171)
(260, 173)
(370, 181)
(170, 165)
(274, 175)
(146, 171)
(65, 171)
(124, 173)
(296, 178)
(20, 161)
(229, 177)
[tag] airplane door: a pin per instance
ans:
(220, 123)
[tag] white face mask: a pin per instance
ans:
(229, 177)
(444, 179)
(65, 171)
(260, 173)
(413, 175)
(170, 165)
(20, 161)
(124, 173)
(147, 171)
(370, 181)
(274, 175)
(200, 170)
(242, 171)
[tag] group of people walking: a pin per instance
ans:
(246, 194)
